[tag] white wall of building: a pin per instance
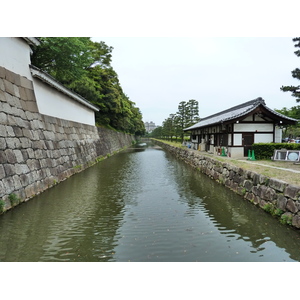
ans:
(253, 127)
(278, 135)
(236, 152)
(53, 103)
(237, 139)
(263, 138)
(15, 56)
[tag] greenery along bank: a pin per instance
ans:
(85, 67)
(266, 150)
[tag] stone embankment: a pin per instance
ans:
(38, 151)
(274, 196)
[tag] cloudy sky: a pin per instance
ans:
(157, 73)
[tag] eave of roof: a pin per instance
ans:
(36, 72)
(237, 112)
(32, 41)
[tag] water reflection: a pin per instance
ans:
(143, 205)
(235, 217)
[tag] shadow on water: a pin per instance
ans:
(142, 204)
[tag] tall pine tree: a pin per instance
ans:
(296, 74)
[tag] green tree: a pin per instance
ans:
(84, 66)
(296, 74)
(192, 112)
(188, 114)
(292, 131)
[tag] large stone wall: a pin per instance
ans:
(38, 151)
(274, 196)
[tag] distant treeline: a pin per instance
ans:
(172, 127)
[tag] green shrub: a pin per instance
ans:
(268, 208)
(286, 219)
(266, 150)
(14, 200)
(2, 204)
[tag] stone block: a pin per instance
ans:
(24, 180)
(17, 131)
(2, 172)
(277, 184)
(6, 108)
(281, 202)
(23, 95)
(25, 154)
(32, 106)
(13, 143)
(3, 158)
(10, 131)
(249, 196)
(29, 191)
(25, 142)
(3, 132)
(248, 185)
(11, 158)
(30, 95)
(292, 191)
(291, 206)
(9, 88)
(2, 95)
(19, 156)
(2, 72)
(12, 77)
(296, 221)
(16, 91)
(17, 183)
(21, 169)
(33, 164)
(10, 169)
(27, 133)
(25, 83)
(31, 153)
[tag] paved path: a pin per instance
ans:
(284, 169)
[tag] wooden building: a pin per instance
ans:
(237, 128)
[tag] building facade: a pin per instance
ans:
(149, 126)
(235, 130)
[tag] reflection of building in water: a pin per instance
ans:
(149, 126)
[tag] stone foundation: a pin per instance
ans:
(38, 151)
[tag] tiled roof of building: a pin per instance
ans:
(236, 112)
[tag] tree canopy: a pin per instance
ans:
(186, 116)
(85, 67)
(295, 73)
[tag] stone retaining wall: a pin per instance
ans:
(38, 151)
(274, 196)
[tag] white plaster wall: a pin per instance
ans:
(236, 152)
(237, 139)
(263, 138)
(278, 135)
(15, 55)
(253, 127)
(54, 103)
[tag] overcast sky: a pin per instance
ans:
(158, 73)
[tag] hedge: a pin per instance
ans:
(266, 150)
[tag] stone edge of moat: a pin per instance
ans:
(39, 151)
(274, 196)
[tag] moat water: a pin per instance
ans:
(143, 205)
